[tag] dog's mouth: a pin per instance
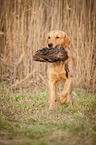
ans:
(49, 47)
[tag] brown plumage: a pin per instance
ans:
(59, 53)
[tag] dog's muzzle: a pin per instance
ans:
(50, 45)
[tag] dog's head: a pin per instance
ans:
(57, 37)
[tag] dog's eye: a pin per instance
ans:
(48, 37)
(57, 37)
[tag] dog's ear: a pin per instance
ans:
(67, 42)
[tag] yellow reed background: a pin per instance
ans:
(23, 28)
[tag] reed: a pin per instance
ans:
(24, 25)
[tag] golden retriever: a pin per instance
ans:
(57, 72)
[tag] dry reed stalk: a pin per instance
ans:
(94, 52)
(2, 33)
(89, 52)
(22, 80)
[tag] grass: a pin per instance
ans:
(26, 120)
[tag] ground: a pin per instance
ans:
(26, 120)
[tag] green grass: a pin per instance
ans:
(26, 120)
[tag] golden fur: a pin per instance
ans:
(56, 71)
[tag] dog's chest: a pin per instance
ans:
(57, 70)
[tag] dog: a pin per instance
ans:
(57, 72)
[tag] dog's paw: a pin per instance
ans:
(51, 107)
(62, 101)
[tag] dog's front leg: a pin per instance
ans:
(68, 88)
(52, 94)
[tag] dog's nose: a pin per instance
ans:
(50, 44)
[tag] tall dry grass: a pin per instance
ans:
(24, 25)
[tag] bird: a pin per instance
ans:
(51, 55)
